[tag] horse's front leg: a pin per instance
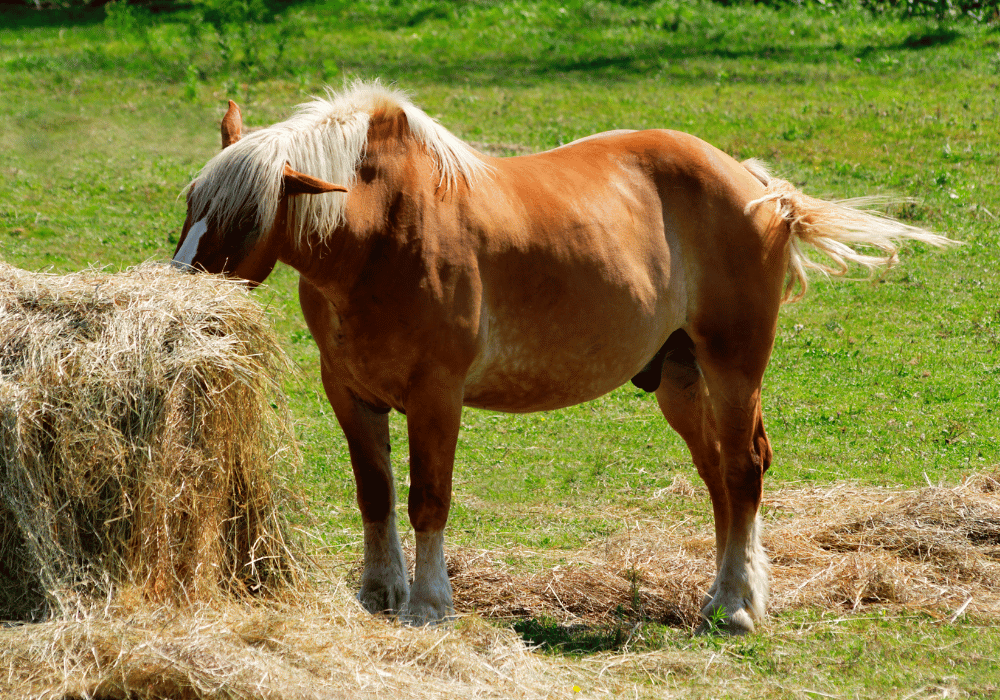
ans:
(433, 418)
(384, 586)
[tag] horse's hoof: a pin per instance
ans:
(420, 614)
(380, 598)
(735, 625)
(424, 618)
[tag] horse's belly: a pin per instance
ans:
(537, 371)
(581, 308)
(521, 389)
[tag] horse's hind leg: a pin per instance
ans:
(683, 399)
(715, 407)
(733, 375)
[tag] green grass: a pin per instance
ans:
(889, 383)
(804, 655)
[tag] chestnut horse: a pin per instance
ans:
(434, 277)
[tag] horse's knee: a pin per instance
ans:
(428, 507)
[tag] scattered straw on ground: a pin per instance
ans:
(936, 549)
(306, 647)
(843, 547)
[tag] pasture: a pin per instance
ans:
(586, 531)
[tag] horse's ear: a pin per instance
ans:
(232, 125)
(300, 183)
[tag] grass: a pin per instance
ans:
(892, 383)
(873, 656)
(808, 656)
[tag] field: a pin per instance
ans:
(105, 115)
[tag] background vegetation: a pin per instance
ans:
(107, 112)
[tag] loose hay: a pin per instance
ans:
(840, 548)
(935, 549)
(836, 549)
(141, 422)
(307, 647)
(138, 438)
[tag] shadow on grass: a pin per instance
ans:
(527, 71)
(934, 37)
(24, 15)
(618, 635)
(549, 635)
(16, 17)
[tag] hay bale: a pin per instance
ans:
(141, 421)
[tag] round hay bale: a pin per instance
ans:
(142, 427)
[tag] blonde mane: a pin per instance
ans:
(326, 138)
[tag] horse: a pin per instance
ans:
(434, 277)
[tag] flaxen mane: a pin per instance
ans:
(326, 138)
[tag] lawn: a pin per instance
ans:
(105, 115)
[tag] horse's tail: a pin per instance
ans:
(834, 228)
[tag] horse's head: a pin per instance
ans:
(228, 238)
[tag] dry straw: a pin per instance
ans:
(839, 549)
(141, 422)
(842, 548)
(301, 648)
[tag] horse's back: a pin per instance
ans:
(651, 169)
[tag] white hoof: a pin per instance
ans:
(384, 588)
(719, 620)
(739, 592)
(430, 595)
(419, 614)
(384, 596)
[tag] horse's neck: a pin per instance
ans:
(397, 181)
